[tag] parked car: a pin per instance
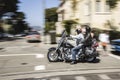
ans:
(33, 36)
(20, 35)
(6, 35)
(1, 35)
(116, 45)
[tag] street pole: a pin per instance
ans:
(44, 7)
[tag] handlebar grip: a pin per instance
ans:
(70, 38)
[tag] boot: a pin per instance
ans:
(73, 62)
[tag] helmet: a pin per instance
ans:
(88, 29)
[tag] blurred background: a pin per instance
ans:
(29, 28)
(19, 16)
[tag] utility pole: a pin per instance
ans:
(44, 7)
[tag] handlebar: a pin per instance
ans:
(69, 38)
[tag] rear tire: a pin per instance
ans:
(52, 56)
(91, 59)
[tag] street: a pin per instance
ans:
(20, 60)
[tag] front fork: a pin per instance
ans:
(61, 53)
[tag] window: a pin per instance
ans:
(98, 5)
(107, 6)
(86, 9)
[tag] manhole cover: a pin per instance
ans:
(24, 63)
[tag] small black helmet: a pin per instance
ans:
(88, 29)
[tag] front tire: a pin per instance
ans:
(52, 56)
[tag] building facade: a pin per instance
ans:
(96, 13)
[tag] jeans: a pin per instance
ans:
(75, 51)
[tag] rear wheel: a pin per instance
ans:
(52, 56)
(91, 59)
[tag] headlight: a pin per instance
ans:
(58, 42)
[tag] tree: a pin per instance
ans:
(50, 19)
(20, 15)
(15, 19)
(49, 26)
(8, 6)
(113, 3)
(51, 15)
(68, 25)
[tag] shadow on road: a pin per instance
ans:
(9, 39)
(115, 52)
(34, 41)
(95, 61)
(1, 48)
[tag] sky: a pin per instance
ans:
(34, 10)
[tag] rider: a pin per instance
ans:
(84, 39)
(78, 31)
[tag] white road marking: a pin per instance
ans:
(43, 79)
(56, 78)
(40, 67)
(103, 76)
(12, 55)
(18, 47)
(40, 56)
(114, 56)
(80, 78)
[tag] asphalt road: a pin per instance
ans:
(19, 60)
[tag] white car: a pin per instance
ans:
(33, 36)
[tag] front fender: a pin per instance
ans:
(52, 48)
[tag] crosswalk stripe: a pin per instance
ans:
(103, 76)
(56, 78)
(12, 55)
(18, 47)
(80, 78)
(40, 67)
(40, 56)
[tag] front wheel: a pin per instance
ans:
(52, 56)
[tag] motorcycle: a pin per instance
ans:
(63, 51)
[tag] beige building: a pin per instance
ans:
(96, 13)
